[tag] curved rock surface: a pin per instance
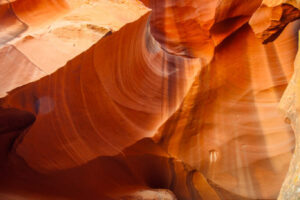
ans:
(272, 17)
(107, 99)
(228, 124)
(91, 94)
(46, 45)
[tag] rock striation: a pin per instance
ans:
(150, 99)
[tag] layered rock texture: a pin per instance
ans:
(150, 99)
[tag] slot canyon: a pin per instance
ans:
(149, 100)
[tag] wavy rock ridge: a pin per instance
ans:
(179, 103)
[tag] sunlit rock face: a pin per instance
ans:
(151, 99)
(290, 106)
(39, 37)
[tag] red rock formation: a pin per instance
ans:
(11, 26)
(272, 17)
(46, 46)
(193, 28)
(290, 107)
(180, 104)
(228, 125)
(94, 93)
